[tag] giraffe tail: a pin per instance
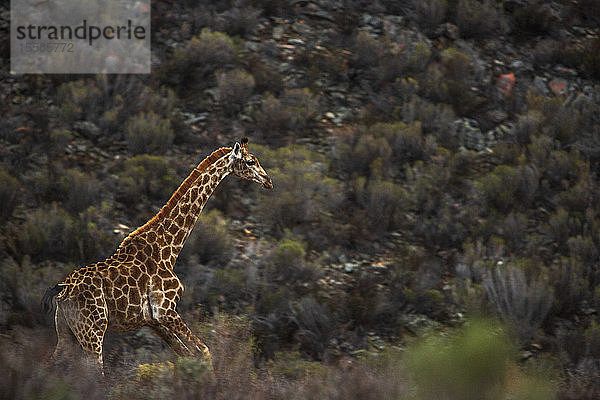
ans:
(47, 299)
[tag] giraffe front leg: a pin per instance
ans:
(174, 342)
(177, 328)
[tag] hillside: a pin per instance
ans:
(435, 166)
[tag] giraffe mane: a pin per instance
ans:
(185, 185)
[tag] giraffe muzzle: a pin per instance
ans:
(267, 182)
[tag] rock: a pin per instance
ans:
(88, 129)
(301, 28)
(565, 71)
(505, 83)
(296, 42)
(349, 267)
(559, 86)
(497, 116)
(540, 85)
(278, 32)
(470, 136)
(447, 30)
(392, 25)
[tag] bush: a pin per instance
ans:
(149, 133)
(479, 19)
(266, 77)
(367, 51)
(80, 100)
(435, 119)
(473, 363)
(9, 190)
(384, 203)
(209, 242)
(293, 115)
(235, 88)
(145, 178)
(287, 263)
(521, 303)
(304, 200)
(193, 65)
(507, 188)
(314, 326)
(430, 13)
(591, 58)
(241, 20)
(356, 150)
(535, 19)
(381, 150)
(53, 234)
(78, 190)
(361, 302)
(568, 278)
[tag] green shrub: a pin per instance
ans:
(287, 264)
(145, 178)
(430, 13)
(80, 100)
(356, 150)
(149, 133)
(457, 65)
(569, 280)
(384, 203)
(362, 301)
(367, 51)
(419, 58)
(591, 58)
(535, 19)
(479, 19)
(193, 65)
(456, 87)
(78, 190)
(9, 190)
(473, 363)
(304, 200)
(53, 234)
(234, 89)
(435, 119)
(303, 107)
(514, 231)
(560, 227)
(240, 21)
(267, 78)
(209, 242)
(508, 187)
(292, 115)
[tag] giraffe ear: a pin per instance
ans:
(237, 151)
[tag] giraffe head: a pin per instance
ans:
(246, 165)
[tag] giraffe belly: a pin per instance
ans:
(123, 319)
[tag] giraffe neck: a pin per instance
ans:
(168, 230)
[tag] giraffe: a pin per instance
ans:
(137, 286)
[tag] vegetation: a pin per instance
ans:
(434, 226)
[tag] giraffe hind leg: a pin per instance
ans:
(64, 337)
(88, 322)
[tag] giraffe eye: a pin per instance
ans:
(250, 163)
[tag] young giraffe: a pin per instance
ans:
(136, 286)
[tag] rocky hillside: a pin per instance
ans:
(435, 163)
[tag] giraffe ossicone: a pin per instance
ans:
(136, 286)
